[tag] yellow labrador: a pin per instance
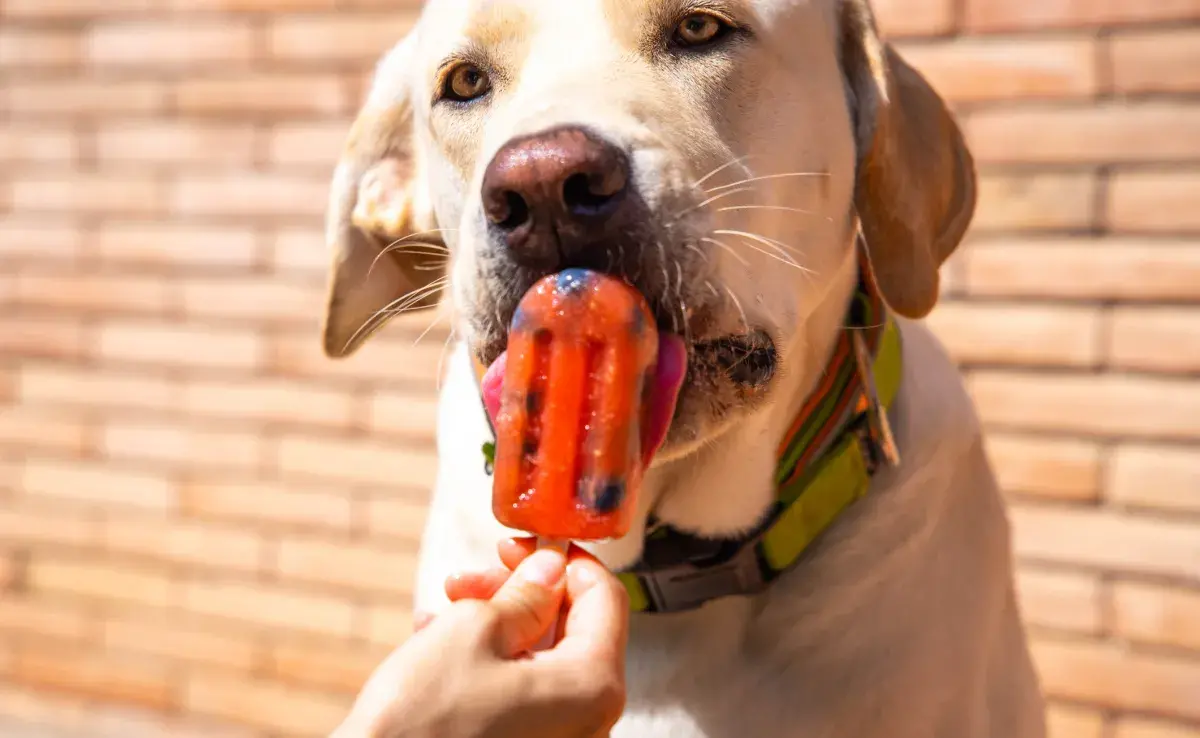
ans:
(729, 158)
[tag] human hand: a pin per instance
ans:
(467, 673)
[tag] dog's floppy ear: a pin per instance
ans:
(915, 188)
(379, 225)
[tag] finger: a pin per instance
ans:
(515, 550)
(527, 604)
(476, 585)
(421, 619)
(597, 620)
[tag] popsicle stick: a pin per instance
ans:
(560, 545)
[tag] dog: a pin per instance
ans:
(751, 166)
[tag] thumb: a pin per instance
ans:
(528, 603)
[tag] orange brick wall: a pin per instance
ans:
(208, 530)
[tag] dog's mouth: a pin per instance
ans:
(743, 362)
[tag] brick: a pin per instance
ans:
(120, 678)
(87, 387)
(196, 544)
(396, 518)
(1154, 201)
(1086, 134)
(87, 193)
(41, 145)
(389, 625)
(45, 337)
(978, 69)
(1105, 674)
(357, 37)
(300, 250)
(409, 413)
(913, 17)
(29, 48)
(89, 293)
(1106, 539)
(189, 42)
(356, 461)
(97, 484)
(1040, 201)
(1100, 269)
(266, 6)
(40, 428)
(368, 567)
(262, 300)
(275, 401)
(191, 640)
(30, 616)
(263, 93)
(36, 238)
(314, 143)
(77, 96)
(339, 667)
(267, 505)
(40, 526)
(1064, 721)
(175, 445)
(267, 706)
(250, 194)
(176, 143)
(1161, 477)
(173, 344)
(176, 245)
(1159, 60)
(1018, 334)
(1155, 339)
(995, 15)
(1055, 468)
(69, 9)
(1095, 404)
(381, 358)
(271, 607)
(1146, 728)
(1160, 615)
(108, 581)
(1060, 600)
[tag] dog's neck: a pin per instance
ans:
(703, 493)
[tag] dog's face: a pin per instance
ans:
(719, 155)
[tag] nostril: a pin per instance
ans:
(585, 194)
(516, 211)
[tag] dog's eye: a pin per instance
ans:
(466, 82)
(700, 29)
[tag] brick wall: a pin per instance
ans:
(207, 529)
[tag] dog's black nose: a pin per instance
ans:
(551, 195)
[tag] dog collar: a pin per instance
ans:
(839, 439)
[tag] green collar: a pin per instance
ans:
(840, 438)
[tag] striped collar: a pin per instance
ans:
(839, 439)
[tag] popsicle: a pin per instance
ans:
(582, 350)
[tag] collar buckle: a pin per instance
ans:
(689, 585)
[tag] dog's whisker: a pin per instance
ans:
(780, 245)
(687, 334)
(696, 250)
(442, 357)
(381, 316)
(722, 168)
(714, 198)
(767, 177)
(765, 207)
(426, 247)
(741, 310)
(437, 318)
(781, 255)
(732, 252)
(711, 288)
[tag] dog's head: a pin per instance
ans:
(721, 155)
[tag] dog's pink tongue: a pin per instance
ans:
(668, 379)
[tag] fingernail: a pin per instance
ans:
(544, 567)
